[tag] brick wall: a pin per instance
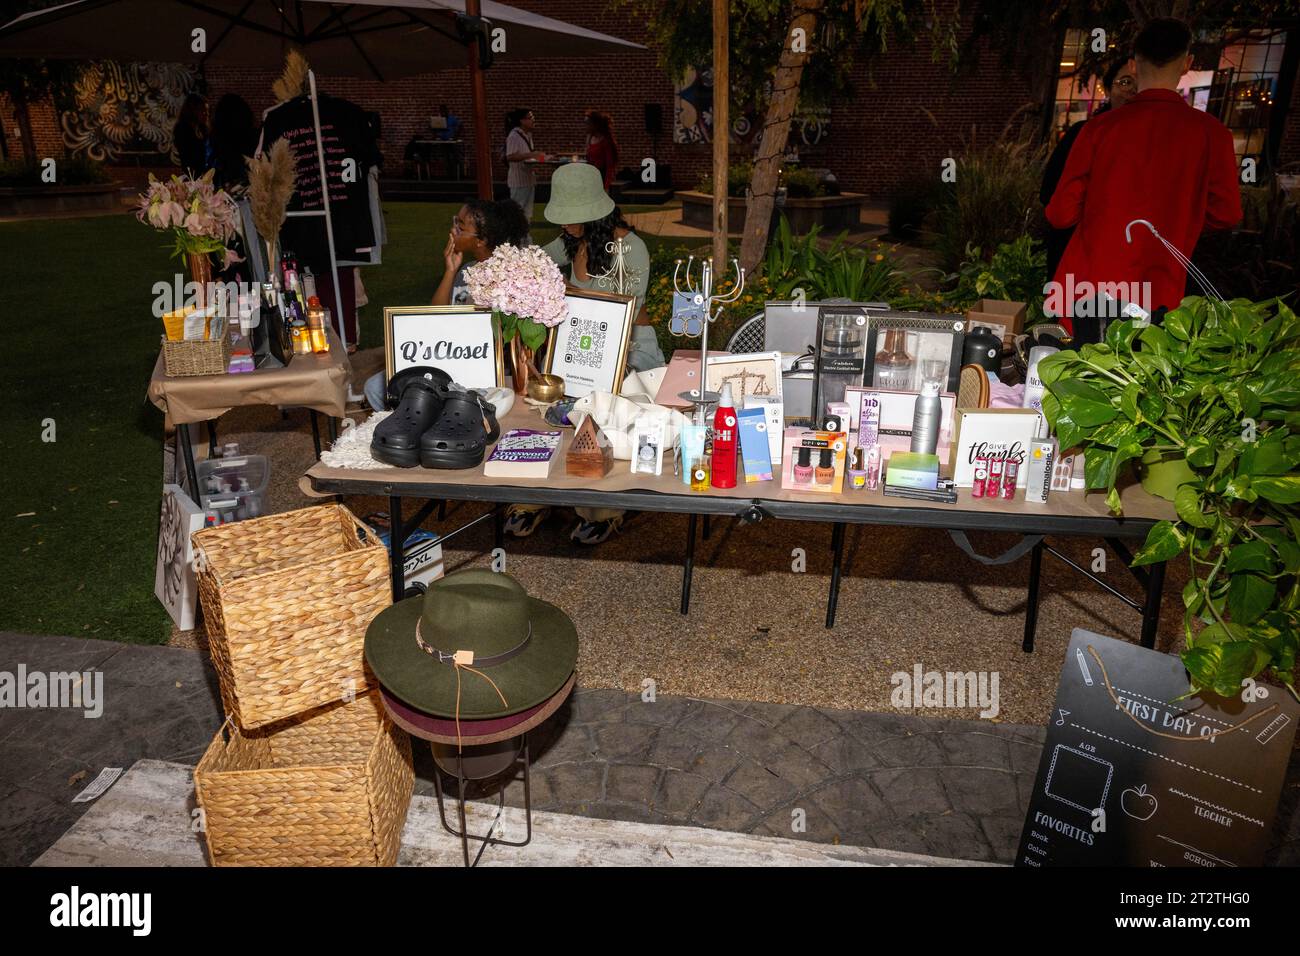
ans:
(877, 136)
(45, 129)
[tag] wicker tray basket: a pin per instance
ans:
(286, 602)
(196, 358)
(329, 788)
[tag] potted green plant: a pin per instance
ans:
(1206, 407)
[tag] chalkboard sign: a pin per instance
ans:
(1133, 776)
(459, 339)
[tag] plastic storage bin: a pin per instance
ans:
(233, 489)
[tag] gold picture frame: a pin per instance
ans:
(425, 352)
(608, 375)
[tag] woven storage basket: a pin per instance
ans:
(286, 602)
(329, 788)
(196, 358)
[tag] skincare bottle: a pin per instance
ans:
(925, 419)
(803, 472)
(700, 474)
(724, 441)
(825, 473)
(993, 483)
(873, 468)
(1010, 474)
(980, 477)
(1034, 387)
(858, 470)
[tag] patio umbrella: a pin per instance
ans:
(380, 39)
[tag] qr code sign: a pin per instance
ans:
(586, 343)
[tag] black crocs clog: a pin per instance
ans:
(396, 440)
(459, 438)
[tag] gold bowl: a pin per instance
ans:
(546, 388)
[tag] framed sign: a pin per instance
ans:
(1003, 433)
(459, 339)
(755, 374)
(906, 348)
(589, 348)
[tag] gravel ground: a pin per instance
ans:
(756, 628)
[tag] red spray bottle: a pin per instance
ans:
(724, 441)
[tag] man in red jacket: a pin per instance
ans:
(1156, 159)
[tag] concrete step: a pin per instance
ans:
(145, 819)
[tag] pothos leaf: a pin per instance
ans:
(1164, 541)
(1249, 596)
(1187, 502)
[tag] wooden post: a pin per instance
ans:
(478, 93)
(721, 135)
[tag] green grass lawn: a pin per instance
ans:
(81, 512)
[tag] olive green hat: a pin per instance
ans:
(525, 647)
(577, 195)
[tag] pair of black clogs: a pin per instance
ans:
(435, 422)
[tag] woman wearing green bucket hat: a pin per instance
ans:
(590, 220)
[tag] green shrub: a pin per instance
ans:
(994, 200)
(803, 184)
(738, 177)
(76, 170)
(1017, 272)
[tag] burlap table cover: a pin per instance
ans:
(318, 382)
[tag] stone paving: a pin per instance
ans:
(949, 788)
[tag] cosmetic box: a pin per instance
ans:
(814, 461)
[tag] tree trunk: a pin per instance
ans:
(23, 117)
(776, 132)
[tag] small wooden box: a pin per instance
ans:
(590, 454)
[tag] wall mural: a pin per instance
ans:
(693, 119)
(121, 112)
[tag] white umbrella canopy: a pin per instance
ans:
(380, 39)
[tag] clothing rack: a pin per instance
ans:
(329, 221)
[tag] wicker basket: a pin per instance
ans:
(329, 788)
(196, 358)
(286, 602)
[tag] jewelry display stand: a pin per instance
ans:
(713, 307)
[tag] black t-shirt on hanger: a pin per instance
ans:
(348, 133)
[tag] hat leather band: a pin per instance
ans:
(449, 658)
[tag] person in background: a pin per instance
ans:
(602, 148)
(1157, 159)
(190, 136)
(479, 227)
(1120, 85)
(452, 129)
(234, 137)
(590, 221)
(520, 177)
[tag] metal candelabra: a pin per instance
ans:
(713, 307)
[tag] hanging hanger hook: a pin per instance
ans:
(1128, 236)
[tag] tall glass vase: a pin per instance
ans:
(200, 264)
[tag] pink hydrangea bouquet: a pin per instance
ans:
(201, 217)
(524, 289)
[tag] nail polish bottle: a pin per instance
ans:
(803, 473)
(825, 473)
(858, 470)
